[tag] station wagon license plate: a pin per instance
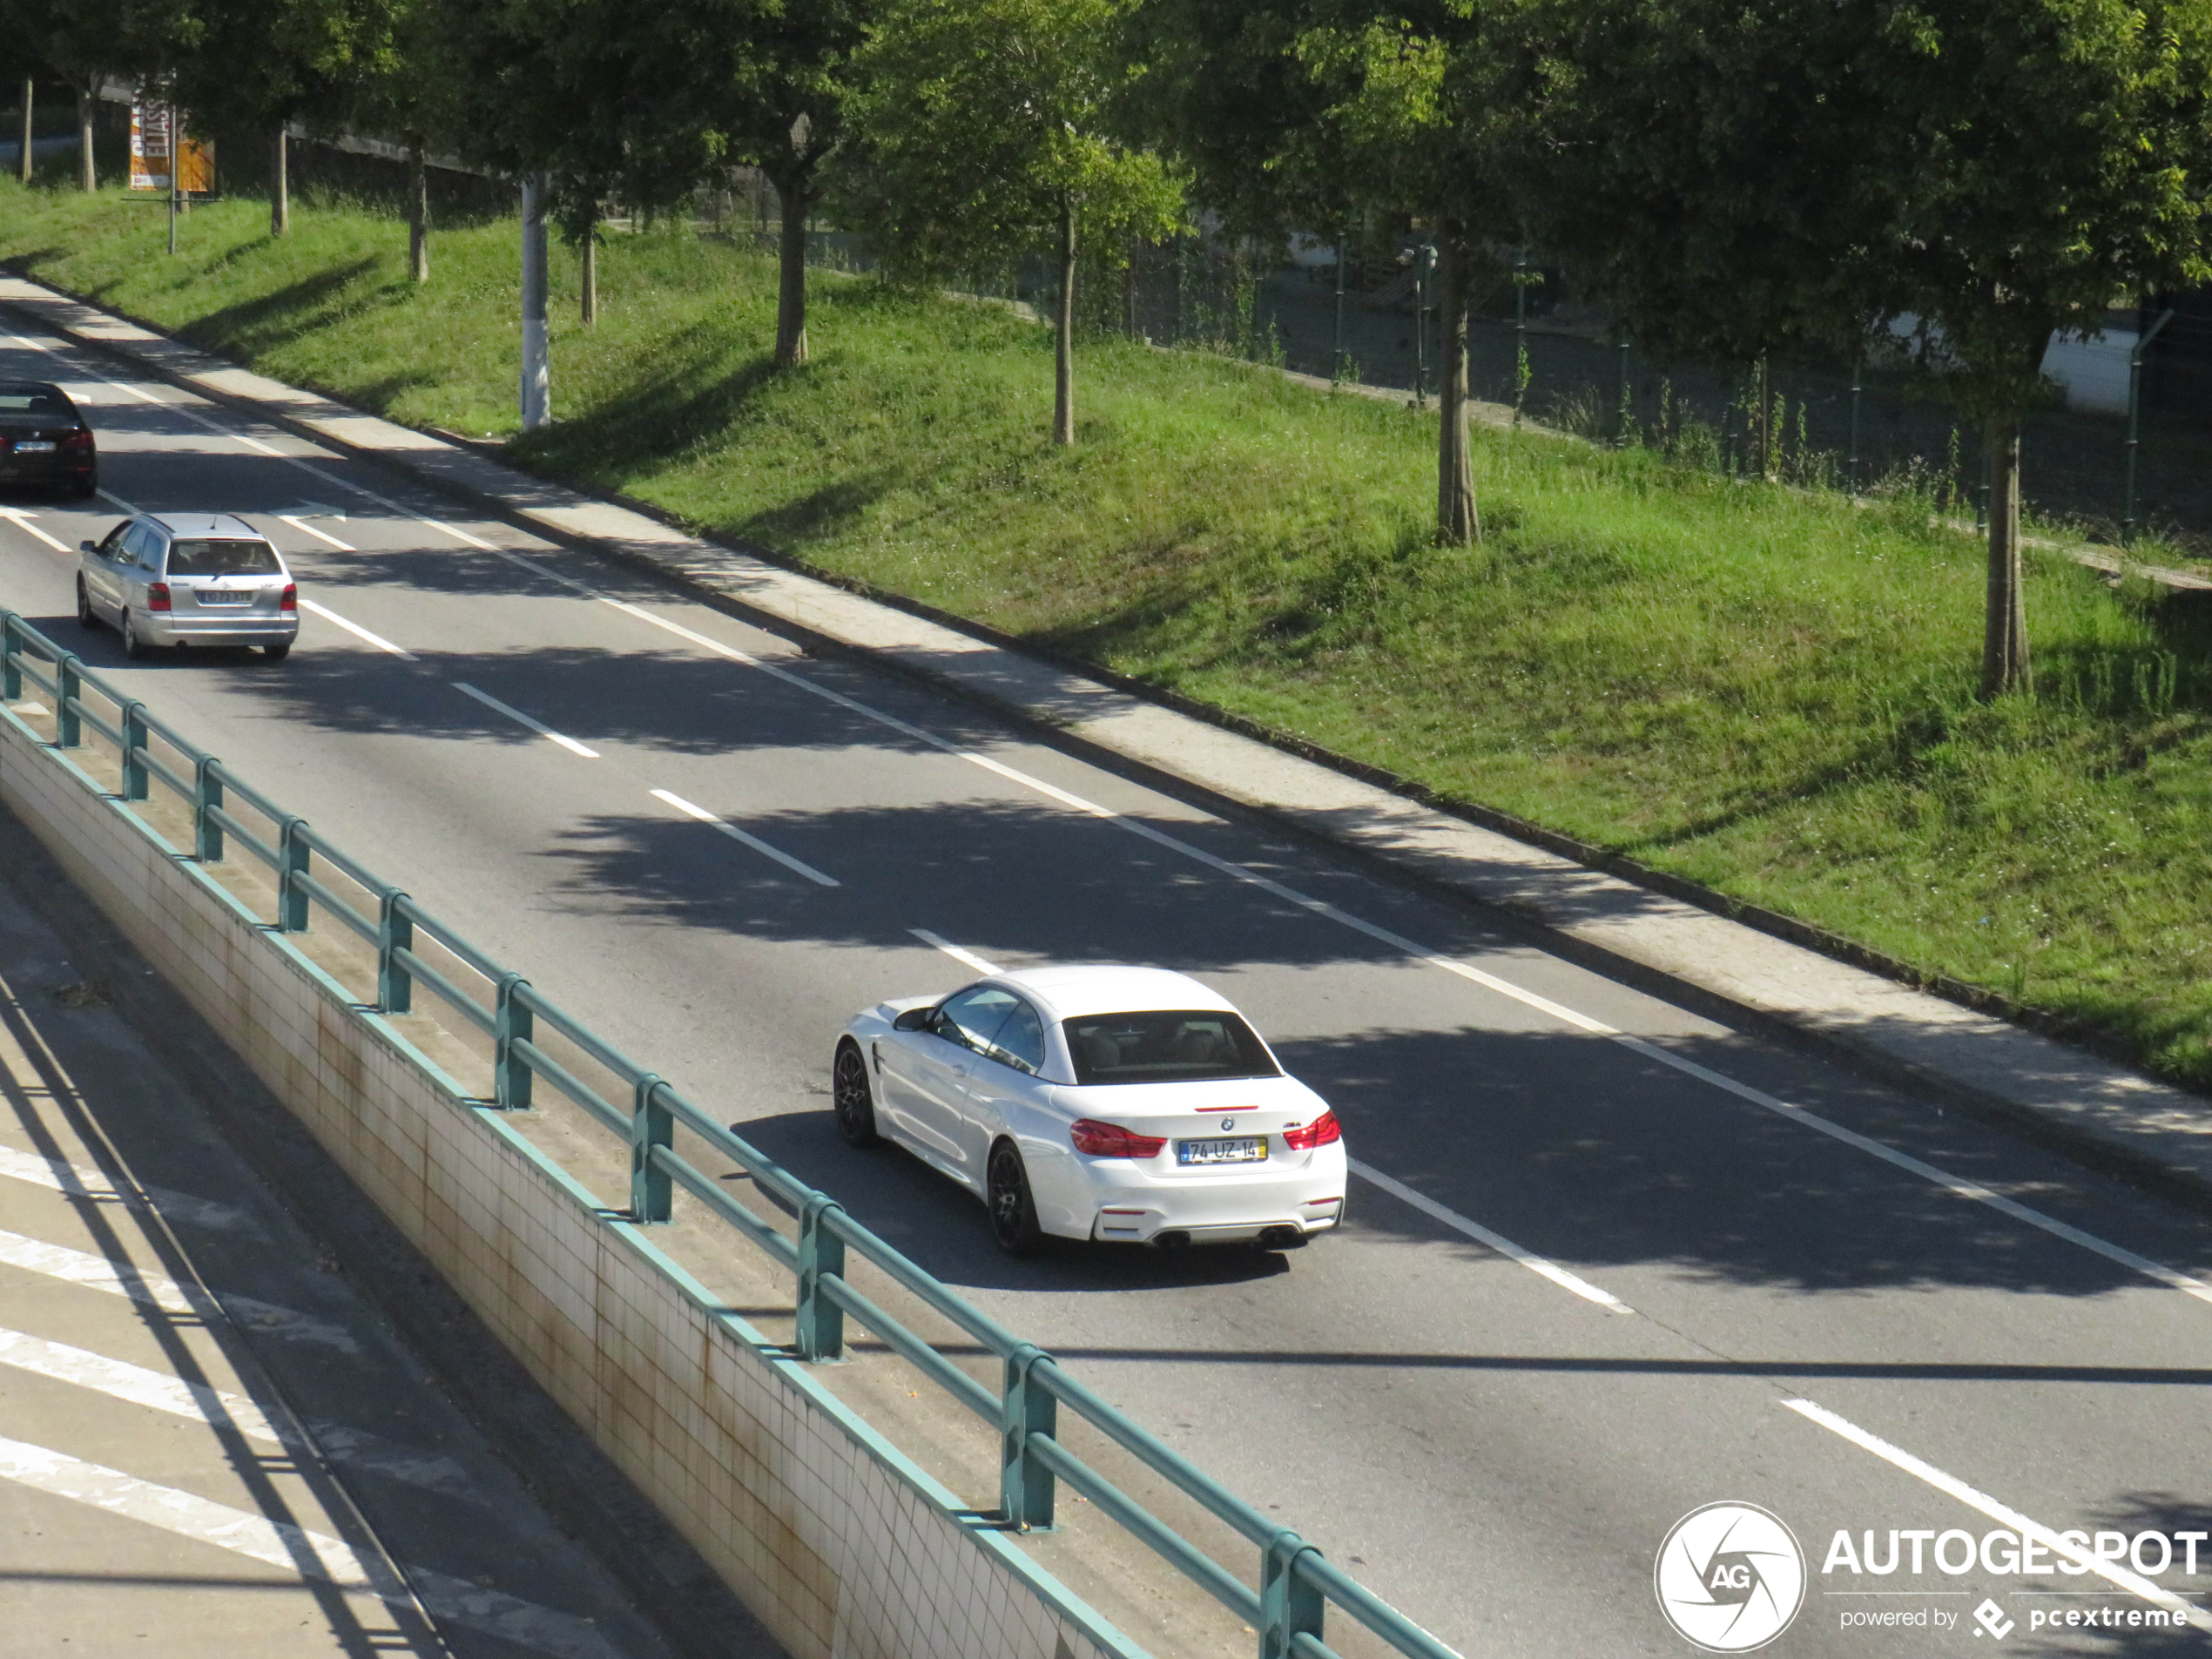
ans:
(219, 598)
(1243, 1150)
(34, 447)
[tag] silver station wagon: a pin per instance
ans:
(188, 579)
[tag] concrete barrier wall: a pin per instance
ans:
(841, 1546)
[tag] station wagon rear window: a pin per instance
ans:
(232, 558)
(33, 404)
(1167, 1047)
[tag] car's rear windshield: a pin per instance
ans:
(1167, 1047)
(19, 401)
(222, 558)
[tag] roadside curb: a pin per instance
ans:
(2055, 1083)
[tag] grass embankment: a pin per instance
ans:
(1765, 691)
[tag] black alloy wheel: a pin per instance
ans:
(277, 653)
(86, 617)
(1013, 1212)
(851, 1099)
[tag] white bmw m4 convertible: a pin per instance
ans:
(1129, 1104)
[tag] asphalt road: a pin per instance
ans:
(1769, 1280)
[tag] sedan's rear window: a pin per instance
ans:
(20, 402)
(235, 557)
(1169, 1047)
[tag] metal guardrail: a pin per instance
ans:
(1297, 1583)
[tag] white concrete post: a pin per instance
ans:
(537, 369)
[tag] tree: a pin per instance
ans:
(1301, 109)
(262, 64)
(572, 93)
(411, 93)
(85, 42)
(985, 127)
(2042, 166)
(1756, 170)
(760, 84)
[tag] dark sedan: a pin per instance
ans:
(44, 441)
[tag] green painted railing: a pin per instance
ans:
(1297, 1583)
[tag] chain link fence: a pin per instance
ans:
(1533, 347)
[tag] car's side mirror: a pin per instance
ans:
(88, 547)
(913, 1020)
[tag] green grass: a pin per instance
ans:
(1763, 689)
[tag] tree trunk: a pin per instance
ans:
(1064, 347)
(1766, 419)
(2004, 642)
(589, 279)
(1458, 524)
(30, 87)
(279, 185)
(87, 171)
(791, 276)
(418, 211)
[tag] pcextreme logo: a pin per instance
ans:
(1730, 1577)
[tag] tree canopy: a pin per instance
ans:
(984, 127)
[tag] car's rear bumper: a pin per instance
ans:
(46, 470)
(1111, 1199)
(170, 629)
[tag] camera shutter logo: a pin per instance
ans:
(1730, 1577)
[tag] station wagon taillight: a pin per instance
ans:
(157, 596)
(291, 599)
(80, 439)
(1324, 1130)
(1112, 1141)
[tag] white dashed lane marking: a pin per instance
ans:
(2003, 1515)
(753, 841)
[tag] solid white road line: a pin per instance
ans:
(301, 1550)
(97, 1273)
(145, 397)
(520, 718)
(966, 958)
(22, 522)
(753, 841)
(300, 525)
(1481, 1234)
(356, 630)
(2004, 1514)
(110, 496)
(1955, 1185)
(79, 1181)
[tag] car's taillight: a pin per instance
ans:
(1324, 1130)
(157, 596)
(290, 601)
(1112, 1141)
(80, 439)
